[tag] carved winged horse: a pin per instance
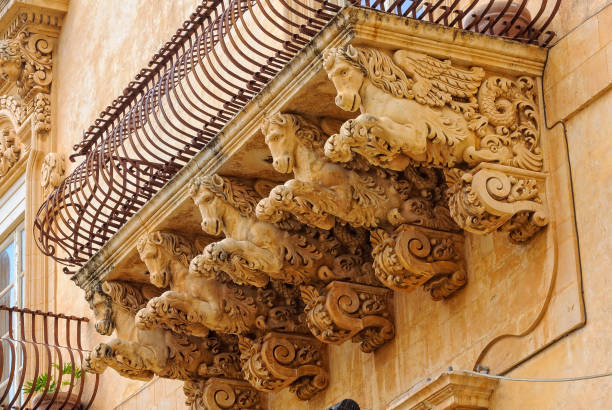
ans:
(322, 189)
(136, 353)
(418, 109)
(255, 251)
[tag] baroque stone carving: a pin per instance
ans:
(221, 393)
(254, 251)
(27, 61)
(343, 311)
(10, 148)
(355, 193)
(199, 301)
(53, 171)
(419, 109)
(412, 256)
(13, 105)
(42, 114)
(139, 354)
(491, 197)
(278, 360)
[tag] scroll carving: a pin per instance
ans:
(355, 193)
(255, 251)
(53, 171)
(279, 360)
(413, 256)
(221, 393)
(27, 61)
(10, 148)
(197, 303)
(495, 197)
(343, 311)
(456, 115)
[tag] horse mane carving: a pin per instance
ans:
(239, 195)
(376, 65)
(128, 296)
(180, 247)
(311, 135)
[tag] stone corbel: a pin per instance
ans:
(412, 256)
(343, 311)
(219, 393)
(492, 197)
(279, 360)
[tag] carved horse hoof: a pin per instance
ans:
(96, 361)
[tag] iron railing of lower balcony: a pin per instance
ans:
(210, 69)
(41, 356)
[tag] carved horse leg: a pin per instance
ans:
(130, 359)
(243, 261)
(176, 312)
(310, 203)
(380, 140)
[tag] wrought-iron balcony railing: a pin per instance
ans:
(41, 356)
(220, 59)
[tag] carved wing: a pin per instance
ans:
(437, 82)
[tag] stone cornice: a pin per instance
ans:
(452, 390)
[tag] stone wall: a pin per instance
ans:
(102, 46)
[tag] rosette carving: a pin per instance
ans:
(496, 197)
(279, 360)
(343, 311)
(412, 256)
(220, 393)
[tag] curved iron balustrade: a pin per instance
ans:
(221, 57)
(36, 341)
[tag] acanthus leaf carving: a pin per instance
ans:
(27, 61)
(279, 360)
(412, 256)
(343, 311)
(491, 197)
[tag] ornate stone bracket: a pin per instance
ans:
(53, 171)
(413, 256)
(279, 360)
(492, 197)
(220, 393)
(343, 311)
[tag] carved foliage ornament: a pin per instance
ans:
(413, 256)
(343, 311)
(278, 360)
(26, 60)
(221, 393)
(10, 148)
(492, 197)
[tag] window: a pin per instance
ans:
(12, 278)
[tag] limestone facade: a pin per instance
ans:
(396, 202)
